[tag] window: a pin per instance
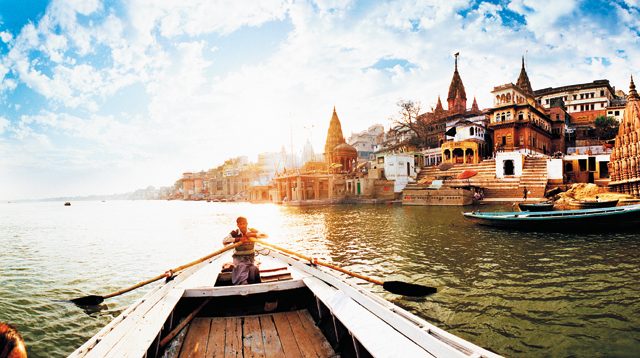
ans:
(546, 101)
(471, 131)
(575, 97)
(617, 113)
(582, 163)
(593, 106)
(568, 167)
(520, 116)
(381, 160)
(504, 140)
(601, 93)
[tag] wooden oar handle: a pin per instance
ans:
(179, 268)
(319, 262)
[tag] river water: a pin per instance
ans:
(518, 294)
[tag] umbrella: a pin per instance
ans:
(445, 166)
(467, 174)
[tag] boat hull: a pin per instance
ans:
(315, 302)
(601, 219)
(592, 204)
(536, 206)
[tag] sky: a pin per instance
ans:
(102, 97)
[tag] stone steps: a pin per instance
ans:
(534, 177)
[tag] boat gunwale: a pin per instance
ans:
(411, 326)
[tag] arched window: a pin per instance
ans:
(471, 131)
(508, 97)
(520, 116)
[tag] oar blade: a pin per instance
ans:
(408, 289)
(91, 300)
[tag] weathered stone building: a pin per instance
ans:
(624, 164)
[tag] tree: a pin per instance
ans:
(407, 119)
(606, 127)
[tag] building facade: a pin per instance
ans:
(518, 121)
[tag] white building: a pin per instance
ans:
(365, 142)
(399, 167)
(593, 96)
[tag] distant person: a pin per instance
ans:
(11, 342)
(244, 269)
(524, 193)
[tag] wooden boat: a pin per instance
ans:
(590, 204)
(544, 206)
(621, 217)
(298, 310)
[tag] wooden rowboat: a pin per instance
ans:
(616, 218)
(299, 310)
(590, 204)
(545, 206)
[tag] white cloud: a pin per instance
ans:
(6, 37)
(4, 124)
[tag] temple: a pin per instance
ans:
(625, 157)
(457, 132)
(337, 179)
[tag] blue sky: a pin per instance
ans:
(101, 97)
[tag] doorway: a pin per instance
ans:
(508, 167)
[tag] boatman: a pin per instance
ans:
(244, 269)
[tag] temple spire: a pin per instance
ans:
(334, 135)
(474, 106)
(439, 105)
(523, 81)
(456, 65)
(457, 98)
(632, 90)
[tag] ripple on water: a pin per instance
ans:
(519, 294)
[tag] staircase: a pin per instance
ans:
(534, 177)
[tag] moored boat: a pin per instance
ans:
(299, 309)
(544, 206)
(615, 218)
(590, 204)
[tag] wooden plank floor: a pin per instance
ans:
(284, 334)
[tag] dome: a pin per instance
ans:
(345, 149)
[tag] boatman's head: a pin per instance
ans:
(242, 223)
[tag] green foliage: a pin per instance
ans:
(606, 127)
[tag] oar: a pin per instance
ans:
(93, 300)
(397, 287)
